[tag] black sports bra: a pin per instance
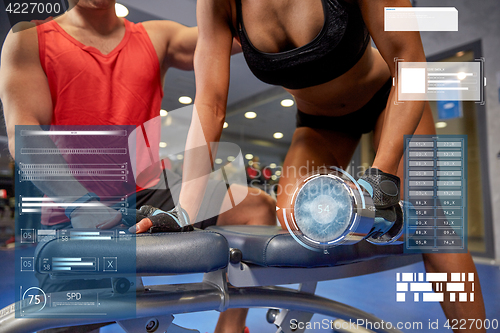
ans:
(336, 49)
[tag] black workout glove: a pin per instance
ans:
(175, 220)
(384, 190)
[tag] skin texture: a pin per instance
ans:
(272, 26)
(94, 23)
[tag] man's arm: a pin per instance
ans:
(26, 99)
(182, 45)
(175, 44)
(24, 89)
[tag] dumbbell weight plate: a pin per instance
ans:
(327, 211)
(393, 234)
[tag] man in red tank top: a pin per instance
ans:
(89, 67)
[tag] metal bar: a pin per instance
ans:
(245, 275)
(276, 297)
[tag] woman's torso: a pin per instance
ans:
(281, 26)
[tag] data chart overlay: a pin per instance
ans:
(435, 198)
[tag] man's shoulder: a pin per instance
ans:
(23, 31)
(23, 26)
(174, 43)
(22, 40)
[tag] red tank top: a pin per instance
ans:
(89, 88)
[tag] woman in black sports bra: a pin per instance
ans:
(320, 52)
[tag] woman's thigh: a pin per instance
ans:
(310, 150)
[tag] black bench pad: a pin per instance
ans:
(273, 247)
(162, 253)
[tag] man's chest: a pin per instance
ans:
(104, 43)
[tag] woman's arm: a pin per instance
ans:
(403, 118)
(211, 66)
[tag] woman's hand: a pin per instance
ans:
(384, 189)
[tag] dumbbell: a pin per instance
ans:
(328, 210)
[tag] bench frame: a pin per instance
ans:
(156, 304)
(238, 285)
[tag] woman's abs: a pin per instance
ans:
(348, 92)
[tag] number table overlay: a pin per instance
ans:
(435, 193)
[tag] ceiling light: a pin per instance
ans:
(120, 10)
(180, 157)
(278, 173)
(163, 144)
(225, 125)
(163, 113)
(461, 75)
(218, 160)
(278, 135)
(248, 156)
(287, 103)
(230, 158)
(273, 177)
(250, 163)
(272, 165)
(441, 124)
(250, 115)
(460, 54)
(168, 121)
(185, 100)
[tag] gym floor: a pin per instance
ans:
(374, 293)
